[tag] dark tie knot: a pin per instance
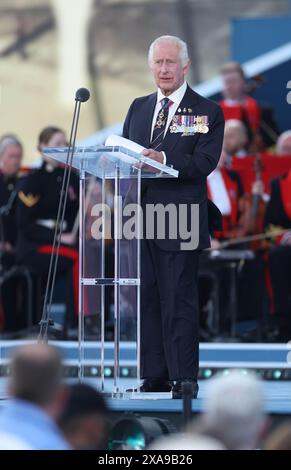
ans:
(165, 102)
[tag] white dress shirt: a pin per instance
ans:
(218, 191)
(176, 97)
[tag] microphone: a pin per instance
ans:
(82, 95)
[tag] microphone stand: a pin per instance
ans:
(82, 95)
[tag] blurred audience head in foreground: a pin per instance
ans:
(37, 399)
(84, 420)
(234, 412)
(36, 374)
(187, 441)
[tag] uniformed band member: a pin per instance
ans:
(239, 219)
(37, 208)
(180, 128)
(236, 103)
(278, 213)
(11, 152)
(10, 161)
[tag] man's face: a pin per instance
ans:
(168, 71)
(234, 140)
(233, 85)
(10, 160)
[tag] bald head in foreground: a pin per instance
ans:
(37, 398)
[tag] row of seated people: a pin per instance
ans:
(253, 202)
(29, 202)
(30, 205)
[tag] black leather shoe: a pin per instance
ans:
(153, 385)
(191, 387)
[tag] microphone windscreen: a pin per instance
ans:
(82, 94)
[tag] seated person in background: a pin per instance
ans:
(283, 146)
(236, 104)
(226, 191)
(11, 153)
(278, 214)
(235, 140)
(12, 316)
(37, 209)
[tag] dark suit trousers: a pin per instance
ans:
(169, 313)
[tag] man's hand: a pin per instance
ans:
(154, 155)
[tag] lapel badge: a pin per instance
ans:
(184, 110)
(189, 110)
(179, 110)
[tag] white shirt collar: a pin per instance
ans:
(176, 96)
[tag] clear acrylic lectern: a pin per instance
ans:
(110, 228)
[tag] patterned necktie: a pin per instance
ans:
(160, 125)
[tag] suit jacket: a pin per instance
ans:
(194, 156)
(38, 199)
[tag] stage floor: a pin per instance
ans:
(273, 358)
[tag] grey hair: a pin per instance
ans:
(184, 56)
(6, 140)
(282, 137)
(234, 409)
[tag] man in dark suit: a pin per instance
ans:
(177, 127)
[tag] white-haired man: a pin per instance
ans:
(234, 412)
(180, 128)
(283, 146)
(10, 160)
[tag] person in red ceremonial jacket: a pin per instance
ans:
(236, 103)
(278, 213)
(225, 189)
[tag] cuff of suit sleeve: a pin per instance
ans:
(165, 158)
